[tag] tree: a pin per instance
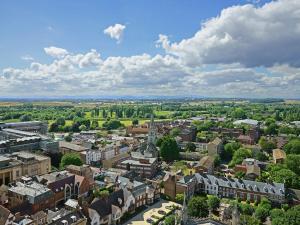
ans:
(271, 129)
(25, 117)
(53, 127)
(82, 127)
(112, 124)
(249, 220)
(246, 209)
(70, 159)
(98, 193)
(198, 207)
(169, 149)
(135, 122)
(169, 220)
(68, 138)
(266, 145)
(175, 132)
(293, 163)
(292, 147)
(213, 202)
(230, 148)
(190, 147)
(179, 198)
(286, 176)
(261, 213)
(239, 156)
(239, 113)
(61, 121)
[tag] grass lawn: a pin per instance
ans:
(162, 113)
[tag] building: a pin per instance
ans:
(14, 166)
(29, 197)
(278, 156)
(108, 210)
(62, 185)
(206, 165)
(30, 126)
(215, 147)
(227, 187)
(66, 217)
(143, 162)
(6, 217)
(13, 140)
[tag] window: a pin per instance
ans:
(17, 173)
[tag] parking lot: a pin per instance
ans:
(152, 213)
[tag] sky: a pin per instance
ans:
(207, 48)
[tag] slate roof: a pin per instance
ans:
(104, 206)
(265, 188)
(4, 214)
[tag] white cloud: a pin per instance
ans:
(115, 32)
(220, 60)
(55, 52)
(27, 58)
(249, 35)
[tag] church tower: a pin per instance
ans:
(151, 150)
(152, 132)
(184, 215)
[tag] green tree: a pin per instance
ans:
(25, 117)
(53, 127)
(198, 207)
(239, 155)
(230, 148)
(70, 159)
(82, 127)
(135, 122)
(190, 147)
(61, 121)
(266, 145)
(261, 213)
(213, 202)
(169, 220)
(175, 132)
(98, 193)
(239, 113)
(112, 124)
(68, 138)
(293, 163)
(169, 149)
(249, 220)
(179, 198)
(293, 146)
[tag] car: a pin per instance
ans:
(162, 212)
(151, 221)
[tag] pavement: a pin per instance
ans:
(141, 218)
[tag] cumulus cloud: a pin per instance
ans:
(249, 35)
(27, 58)
(55, 52)
(230, 56)
(115, 31)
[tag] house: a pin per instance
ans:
(252, 172)
(278, 156)
(206, 165)
(66, 217)
(228, 187)
(84, 170)
(246, 139)
(67, 147)
(108, 210)
(215, 147)
(14, 166)
(29, 196)
(6, 217)
(62, 185)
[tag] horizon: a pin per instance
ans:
(243, 49)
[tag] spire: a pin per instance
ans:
(235, 215)
(184, 216)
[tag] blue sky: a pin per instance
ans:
(28, 27)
